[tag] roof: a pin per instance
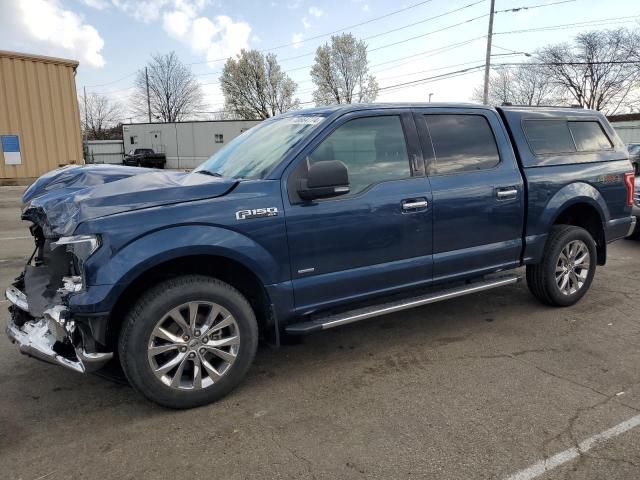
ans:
(352, 107)
(624, 117)
(38, 58)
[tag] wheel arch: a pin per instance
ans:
(587, 213)
(224, 268)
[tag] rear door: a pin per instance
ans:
(478, 205)
(378, 237)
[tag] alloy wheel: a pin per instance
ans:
(193, 345)
(572, 267)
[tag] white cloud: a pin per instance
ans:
(365, 7)
(315, 11)
(47, 27)
(143, 10)
(177, 23)
(183, 20)
(216, 37)
(306, 23)
(296, 39)
(97, 4)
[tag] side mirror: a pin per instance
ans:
(324, 180)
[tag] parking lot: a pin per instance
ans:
(486, 386)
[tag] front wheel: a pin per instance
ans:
(188, 341)
(567, 268)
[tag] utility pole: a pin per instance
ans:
(430, 95)
(86, 125)
(146, 76)
(487, 65)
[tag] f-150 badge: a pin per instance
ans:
(256, 213)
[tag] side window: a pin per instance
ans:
(589, 136)
(462, 143)
(373, 149)
(218, 137)
(549, 136)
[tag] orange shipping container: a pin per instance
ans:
(39, 116)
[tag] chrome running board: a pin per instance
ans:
(331, 321)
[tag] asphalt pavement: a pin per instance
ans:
(492, 385)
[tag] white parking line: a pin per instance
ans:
(14, 238)
(543, 466)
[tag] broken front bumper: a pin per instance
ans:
(50, 338)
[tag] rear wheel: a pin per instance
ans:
(188, 341)
(567, 268)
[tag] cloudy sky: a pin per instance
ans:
(408, 42)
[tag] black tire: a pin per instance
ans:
(541, 278)
(138, 328)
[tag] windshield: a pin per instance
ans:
(254, 153)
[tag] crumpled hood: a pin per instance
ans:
(68, 196)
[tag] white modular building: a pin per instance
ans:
(627, 126)
(186, 144)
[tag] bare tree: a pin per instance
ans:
(100, 116)
(596, 70)
(341, 72)
(174, 92)
(527, 84)
(255, 87)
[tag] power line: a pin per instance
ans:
(415, 73)
(559, 64)
(518, 9)
(421, 81)
(440, 49)
(469, 5)
(603, 21)
(111, 83)
(426, 53)
(449, 12)
(464, 22)
(409, 7)
(448, 27)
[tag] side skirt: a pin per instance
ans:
(355, 315)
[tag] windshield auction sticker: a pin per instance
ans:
(306, 120)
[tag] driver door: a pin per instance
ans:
(378, 237)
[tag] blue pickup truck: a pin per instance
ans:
(308, 221)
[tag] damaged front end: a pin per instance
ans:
(41, 323)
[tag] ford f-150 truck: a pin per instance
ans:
(308, 221)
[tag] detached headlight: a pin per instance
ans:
(82, 246)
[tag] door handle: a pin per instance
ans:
(506, 193)
(409, 205)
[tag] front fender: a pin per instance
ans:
(160, 246)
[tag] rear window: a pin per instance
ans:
(589, 136)
(547, 137)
